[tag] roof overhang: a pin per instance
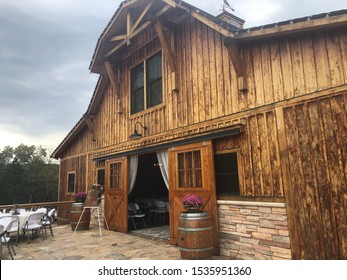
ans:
(296, 26)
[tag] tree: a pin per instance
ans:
(27, 175)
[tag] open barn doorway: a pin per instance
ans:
(149, 192)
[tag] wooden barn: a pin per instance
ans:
(252, 120)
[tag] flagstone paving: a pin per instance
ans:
(88, 245)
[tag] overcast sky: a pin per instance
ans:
(46, 47)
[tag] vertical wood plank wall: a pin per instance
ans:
(280, 69)
(277, 69)
(78, 165)
(317, 150)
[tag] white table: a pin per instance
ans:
(22, 217)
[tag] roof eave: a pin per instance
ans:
(292, 27)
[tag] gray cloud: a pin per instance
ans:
(44, 54)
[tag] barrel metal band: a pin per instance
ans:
(195, 229)
(196, 250)
(194, 218)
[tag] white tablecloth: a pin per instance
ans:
(22, 217)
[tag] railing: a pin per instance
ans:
(63, 209)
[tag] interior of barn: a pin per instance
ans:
(151, 196)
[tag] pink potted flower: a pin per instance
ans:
(192, 202)
(80, 197)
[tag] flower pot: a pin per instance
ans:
(75, 215)
(193, 209)
(195, 236)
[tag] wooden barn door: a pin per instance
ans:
(116, 194)
(191, 171)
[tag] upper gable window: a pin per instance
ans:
(146, 84)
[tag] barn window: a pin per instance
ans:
(115, 175)
(189, 169)
(226, 170)
(101, 177)
(146, 84)
(71, 182)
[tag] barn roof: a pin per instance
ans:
(116, 27)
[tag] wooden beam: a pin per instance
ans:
(89, 122)
(117, 38)
(129, 3)
(137, 31)
(169, 54)
(144, 12)
(170, 2)
(235, 57)
(239, 65)
(129, 26)
(111, 75)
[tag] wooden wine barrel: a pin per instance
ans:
(75, 214)
(195, 233)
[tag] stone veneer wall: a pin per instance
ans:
(253, 230)
(94, 215)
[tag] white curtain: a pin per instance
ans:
(163, 164)
(133, 162)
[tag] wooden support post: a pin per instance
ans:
(165, 45)
(238, 63)
(111, 75)
(129, 27)
(89, 121)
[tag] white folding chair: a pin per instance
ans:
(42, 209)
(160, 212)
(15, 228)
(47, 220)
(4, 237)
(134, 213)
(4, 220)
(33, 224)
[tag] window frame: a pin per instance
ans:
(223, 153)
(145, 84)
(68, 182)
(97, 175)
(189, 169)
(116, 176)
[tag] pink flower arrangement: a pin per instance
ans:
(192, 200)
(80, 196)
(99, 188)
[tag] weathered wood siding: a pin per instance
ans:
(259, 157)
(82, 144)
(77, 165)
(317, 151)
(277, 69)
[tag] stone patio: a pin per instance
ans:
(88, 245)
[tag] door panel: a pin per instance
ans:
(116, 194)
(191, 171)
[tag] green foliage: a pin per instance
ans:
(27, 175)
